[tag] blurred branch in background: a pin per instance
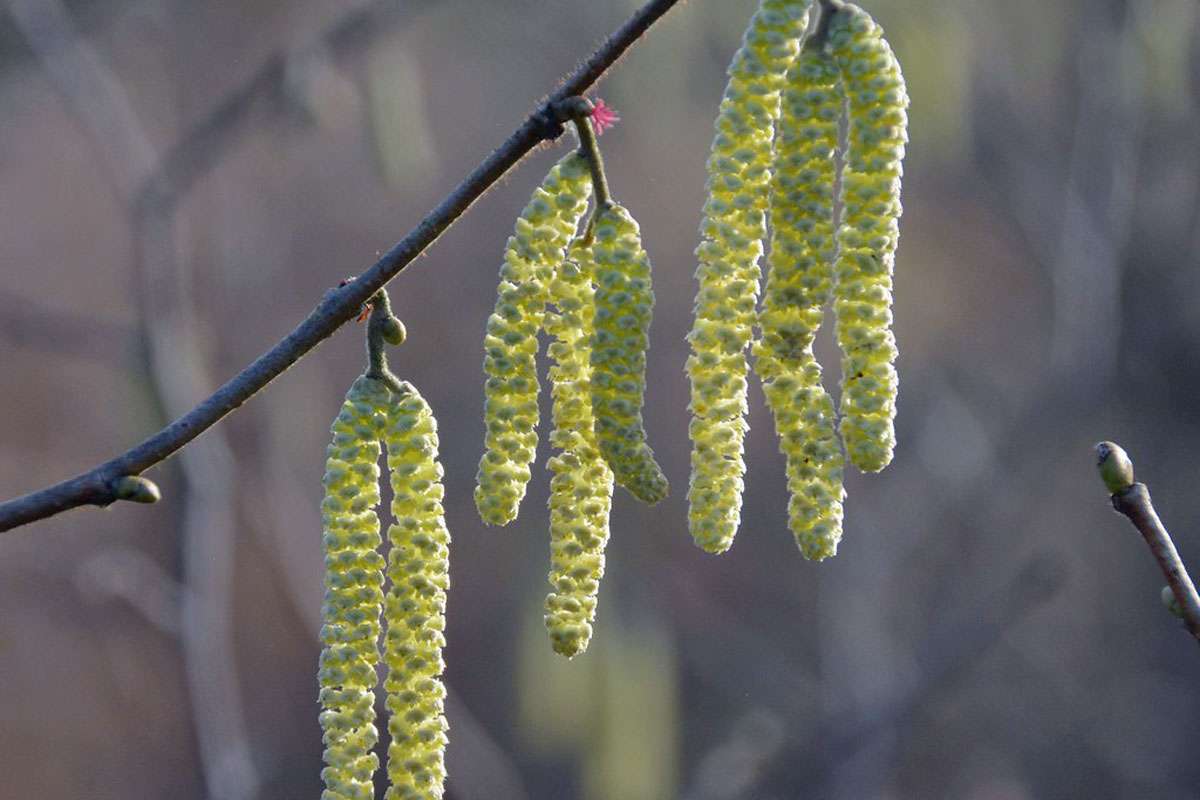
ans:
(1133, 500)
(949, 652)
(96, 487)
(47, 330)
(208, 142)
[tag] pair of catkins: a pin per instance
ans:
(380, 409)
(774, 166)
(591, 291)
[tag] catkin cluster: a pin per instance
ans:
(533, 253)
(734, 226)
(596, 303)
(845, 70)
(414, 606)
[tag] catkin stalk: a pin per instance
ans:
(732, 231)
(533, 253)
(799, 284)
(867, 239)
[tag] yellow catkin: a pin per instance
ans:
(533, 253)
(867, 239)
(799, 284)
(353, 593)
(415, 607)
(624, 301)
(582, 484)
(732, 232)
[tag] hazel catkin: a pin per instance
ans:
(868, 235)
(582, 483)
(734, 225)
(624, 302)
(799, 284)
(531, 255)
(353, 593)
(415, 606)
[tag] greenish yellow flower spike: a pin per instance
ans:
(624, 301)
(867, 238)
(733, 229)
(418, 569)
(799, 283)
(353, 593)
(534, 251)
(582, 484)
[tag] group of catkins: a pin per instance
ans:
(795, 108)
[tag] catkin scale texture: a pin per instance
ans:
(581, 485)
(869, 233)
(531, 256)
(624, 302)
(353, 593)
(732, 233)
(799, 283)
(415, 606)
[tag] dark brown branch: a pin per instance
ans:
(95, 487)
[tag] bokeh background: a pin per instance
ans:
(180, 182)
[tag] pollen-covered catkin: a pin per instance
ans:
(415, 607)
(353, 593)
(867, 238)
(799, 283)
(624, 301)
(533, 252)
(732, 232)
(582, 483)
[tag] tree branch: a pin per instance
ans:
(1133, 500)
(95, 487)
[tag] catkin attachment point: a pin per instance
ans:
(136, 489)
(1116, 469)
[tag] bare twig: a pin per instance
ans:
(94, 487)
(1133, 500)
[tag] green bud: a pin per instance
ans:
(136, 489)
(1116, 470)
(1171, 601)
(393, 331)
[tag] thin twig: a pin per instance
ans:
(1133, 500)
(339, 305)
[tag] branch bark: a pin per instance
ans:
(1134, 502)
(95, 487)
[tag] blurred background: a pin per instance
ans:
(181, 181)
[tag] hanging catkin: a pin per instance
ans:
(353, 593)
(624, 301)
(799, 284)
(876, 103)
(415, 608)
(533, 253)
(732, 233)
(582, 483)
